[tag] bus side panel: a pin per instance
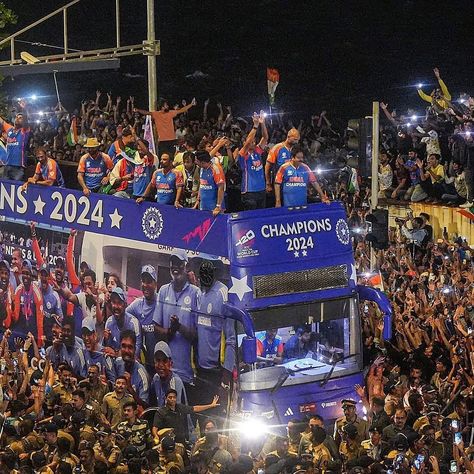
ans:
(296, 401)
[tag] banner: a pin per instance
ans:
(273, 78)
(108, 215)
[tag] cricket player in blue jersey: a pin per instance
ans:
(143, 309)
(213, 374)
(176, 316)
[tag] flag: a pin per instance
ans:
(148, 134)
(353, 185)
(376, 281)
(72, 134)
(273, 78)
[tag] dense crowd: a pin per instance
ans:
(100, 382)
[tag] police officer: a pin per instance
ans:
(62, 391)
(105, 449)
(134, 429)
(350, 416)
(350, 447)
(92, 413)
(374, 447)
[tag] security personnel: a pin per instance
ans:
(30, 440)
(320, 454)
(213, 439)
(350, 416)
(62, 391)
(374, 447)
(169, 458)
(92, 414)
(136, 431)
(105, 449)
(350, 447)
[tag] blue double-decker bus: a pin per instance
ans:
(284, 268)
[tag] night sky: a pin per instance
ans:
(336, 55)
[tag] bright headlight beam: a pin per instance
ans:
(252, 428)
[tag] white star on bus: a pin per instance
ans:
(240, 287)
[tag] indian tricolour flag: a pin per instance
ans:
(72, 138)
(273, 78)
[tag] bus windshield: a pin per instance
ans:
(305, 341)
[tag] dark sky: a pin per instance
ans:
(338, 55)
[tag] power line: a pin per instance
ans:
(44, 45)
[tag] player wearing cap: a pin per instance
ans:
(175, 317)
(28, 306)
(350, 416)
(6, 295)
(51, 303)
(144, 308)
(164, 378)
(135, 374)
(213, 331)
(120, 321)
(135, 430)
(374, 447)
(94, 167)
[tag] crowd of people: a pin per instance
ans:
(98, 383)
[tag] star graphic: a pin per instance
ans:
(115, 219)
(305, 253)
(152, 223)
(239, 287)
(39, 205)
(297, 254)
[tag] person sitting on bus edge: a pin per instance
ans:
(18, 136)
(211, 184)
(251, 164)
(270, 347)
(279, 155)
(297, 345)
(168, 183)
(94, 167)
(294, 176)
(47, 172)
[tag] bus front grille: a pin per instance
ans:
(278, 284)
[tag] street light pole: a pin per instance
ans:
(152, 87)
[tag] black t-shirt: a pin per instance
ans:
(176, 419)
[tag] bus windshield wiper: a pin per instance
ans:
(333, 366)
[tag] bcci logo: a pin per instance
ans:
(152, 223)
(342, 232)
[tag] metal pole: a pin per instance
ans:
(117, 22)
(12, 50)
(152, 92)
(65, 30)
(56, 85)
(375, 155)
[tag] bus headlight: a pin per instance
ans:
(253, 428)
